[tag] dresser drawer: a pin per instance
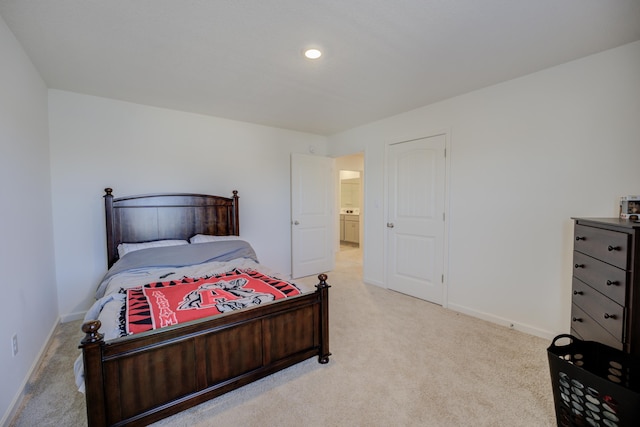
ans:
(603, 277)
(607, 245)
(588, 329)
(603, 310)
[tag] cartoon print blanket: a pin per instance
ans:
(162, 304)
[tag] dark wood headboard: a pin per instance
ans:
(144, 218)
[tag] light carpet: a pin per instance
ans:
(396, 360)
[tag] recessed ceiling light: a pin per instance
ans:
(312, 53)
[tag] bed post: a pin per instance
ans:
(323, 289)
(91, 347)
(108, 210)
(236, 222)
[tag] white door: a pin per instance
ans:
(312, 215)
(415, 227)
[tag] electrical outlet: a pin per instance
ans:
(14, 344)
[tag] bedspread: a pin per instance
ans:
(143, 261)
(201, 263)
(161, 304)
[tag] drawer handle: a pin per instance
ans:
(578, 293)
(579, 266)
(609, 316)
(613, 248)
(577, 319)
(578, 238)
(612, 282)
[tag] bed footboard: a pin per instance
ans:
(143, 378)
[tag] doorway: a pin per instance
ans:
(350, 204)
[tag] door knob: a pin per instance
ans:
(390, 225)
(295, 223)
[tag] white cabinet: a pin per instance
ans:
(350, 228)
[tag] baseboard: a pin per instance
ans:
(374, 282)
(531, 330)
(17, 400)
(512, 324)
(72, 316)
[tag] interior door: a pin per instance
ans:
(415, 227)
(312, 214)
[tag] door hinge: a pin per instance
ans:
(445, 152)
(443, 216)
(442, 278)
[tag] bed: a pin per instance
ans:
(140, 378)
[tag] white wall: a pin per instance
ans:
(352, 162)
(136, 149)
(29, 307)
(526, 155)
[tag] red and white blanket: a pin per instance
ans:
(168, 303)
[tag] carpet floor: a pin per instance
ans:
(396, 360)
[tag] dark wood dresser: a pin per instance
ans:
(606, 282)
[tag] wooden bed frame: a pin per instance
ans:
(142, 378)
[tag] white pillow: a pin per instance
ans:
(204, 238)
(125, 248)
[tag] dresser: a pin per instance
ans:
(606, 282)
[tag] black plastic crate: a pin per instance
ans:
(593, 384)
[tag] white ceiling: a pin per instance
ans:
(241, 59)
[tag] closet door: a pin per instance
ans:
(415, 227)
